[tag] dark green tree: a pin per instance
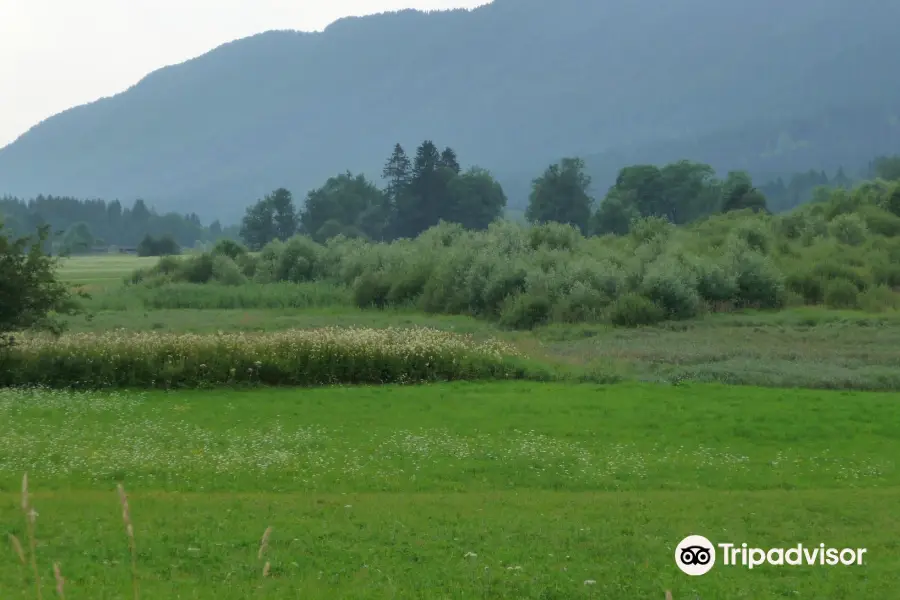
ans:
(162, 246)
(476, 199)
(29, 287)
(449, 160)
(615, 213)
(738, 193)
(273, 217)
(645, 186)
(284, 213)
(345, 201)
(425, 202)
(561, 195)
(397, 173)
(258, 225)
(139, 212)
(690, 191)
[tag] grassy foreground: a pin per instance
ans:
(458, 490)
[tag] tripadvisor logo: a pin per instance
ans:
(696, 555)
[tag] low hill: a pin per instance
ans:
(511, 86)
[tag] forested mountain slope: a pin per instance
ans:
(511, 86)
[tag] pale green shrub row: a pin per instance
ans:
(294, 357)
(523, 276)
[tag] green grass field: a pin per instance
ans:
(466, 490)
(382, 492)
(102, 270)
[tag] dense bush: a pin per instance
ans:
(840, 293)
(524, 276)
(162, 246)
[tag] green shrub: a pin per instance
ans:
(841, 293)
(407, 287)
(499, 280)
(370, 290)
(523, 276)
(634, 310)
(881, 222)
(756, 234)
(525, 311)
(849, 229)
(879, 298)
(646, 229)
(581, 304)
(671, 287)
(297, 260)
(792, 225)
(832, 269)
(226, 271)
(892, 200)
(759, 283)
(229, 248)
(885, 272)
(714, 283)
(554, 236)
(843, 202)
(808, 286)
(196, 269)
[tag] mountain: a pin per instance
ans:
(511, 86)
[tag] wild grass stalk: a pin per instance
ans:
(60, 581)
(129, 531)
(30, 519)
(263, 546)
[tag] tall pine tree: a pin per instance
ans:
(449, 161)
(397, 172)
(420, 208)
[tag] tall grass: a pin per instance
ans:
(281, 295)
(294, 357)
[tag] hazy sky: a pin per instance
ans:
(55, 54)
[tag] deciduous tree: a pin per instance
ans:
(561, 195)
(30, 289)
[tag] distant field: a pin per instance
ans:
(102, 270)
(495, 490)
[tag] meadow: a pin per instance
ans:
(552, 414)
(461, 490)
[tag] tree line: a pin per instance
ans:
(418, 193)
(78, 226)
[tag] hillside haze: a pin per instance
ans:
(512, 86)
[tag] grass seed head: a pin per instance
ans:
(60, 582)
(264, 543)
(17, 546)
(25, 493)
